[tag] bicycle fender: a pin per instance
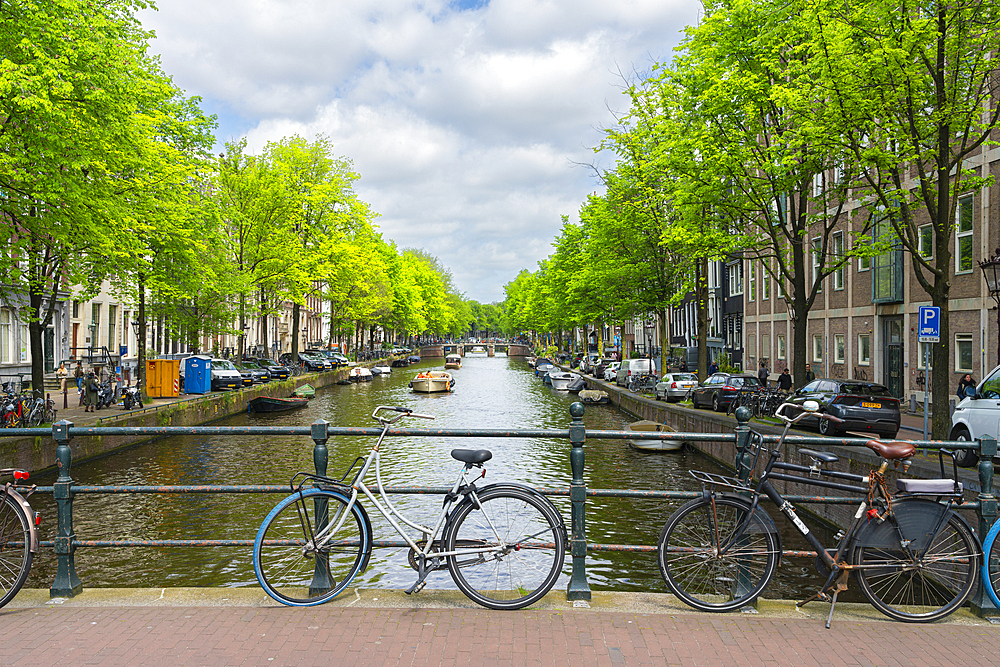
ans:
(530, 490)
(914, 525)
(30, 516)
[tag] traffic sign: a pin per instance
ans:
(929, 327)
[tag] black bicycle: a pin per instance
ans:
(18, 536)
(915, 559)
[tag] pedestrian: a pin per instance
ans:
(762, 373)
(90, 389)
(964, 383)
(810, 376)
(78, 374)
(785, 381)
(63, 376)
(713, 369)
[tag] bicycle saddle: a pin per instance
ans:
(472, 456)
(892, 450)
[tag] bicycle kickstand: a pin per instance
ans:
(822, 594)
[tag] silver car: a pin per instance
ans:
(611, 372)
(675, 386)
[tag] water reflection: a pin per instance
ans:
(494, 392)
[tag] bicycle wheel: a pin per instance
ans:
(293, 571)
(526, 548)
(715, 556)
(15, 556)
(924, 587)
(991, 564)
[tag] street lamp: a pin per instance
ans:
(650, 324)
(991, 271)
(138, 342)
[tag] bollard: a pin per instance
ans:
(981, 603)
(67, 583)
(578, 588)
(743, 457)
(322, 580)
(65, 398)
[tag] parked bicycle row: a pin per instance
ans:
(27, 410)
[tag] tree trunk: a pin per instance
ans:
(295, 333)
(141, 339)
(701, 306)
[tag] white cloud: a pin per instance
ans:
(465, 125)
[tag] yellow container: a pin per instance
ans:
(163, 378)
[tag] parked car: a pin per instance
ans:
(256, 374)
(977, 416)
(611, 372)
(275, 370)
(631, 368)
(311, 363)
(225, 375)
(675, 386)
(720, 389)
(864, 406)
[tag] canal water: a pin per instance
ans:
(497, 392)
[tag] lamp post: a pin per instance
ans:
(991, 272)
(649, 344)
(139, 343)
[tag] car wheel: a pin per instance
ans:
(826, 427)
(965, 458)
(715, 403)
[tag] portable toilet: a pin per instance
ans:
(163, 378)
(198, 374)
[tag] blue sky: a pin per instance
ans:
(466, 119)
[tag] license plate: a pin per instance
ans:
(867, 404)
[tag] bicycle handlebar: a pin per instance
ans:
(802, 414)
(405, 412)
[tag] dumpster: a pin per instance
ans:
(198, 374)
(163, 378)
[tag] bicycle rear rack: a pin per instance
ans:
(711, 479)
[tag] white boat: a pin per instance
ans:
(359, 374)
(594, 396)
(531, 361)
(381, 368)
(429, 382)
(560, 380)
(453, 361)
(646, 426)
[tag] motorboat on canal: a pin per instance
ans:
(274, 404)
(431, 382)
(576, 385)
(381, 368)
(360, 374)
(542, 368)
(646, 426)
(594, 397)
(560, 380)
(413, 359)
(531, 361)
(453, 361)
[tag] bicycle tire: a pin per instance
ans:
(287, 571)
(687, 553)
(529, 553)
(928, 590)
(50, 415)
(991, 564)
(15, 549)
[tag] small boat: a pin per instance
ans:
(542, 369)
(359, 374)
(646, 426)
(414, 359)
(381, 368)
(594, 397)
(453, 361)
(429, 382)
(560, 380)
(576, 385)
(531, 361)
(478, 349)
(273, 404)
(400, 363)
(304, 391)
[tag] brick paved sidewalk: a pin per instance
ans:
(370, 636)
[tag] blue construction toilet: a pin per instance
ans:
(198, 374)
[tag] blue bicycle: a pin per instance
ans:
(991, 563)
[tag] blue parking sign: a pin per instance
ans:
(929, 326)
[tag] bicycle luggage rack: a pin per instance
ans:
(711, 479)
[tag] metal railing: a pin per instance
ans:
(65, 542)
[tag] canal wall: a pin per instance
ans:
(856, 460)
(38, 454)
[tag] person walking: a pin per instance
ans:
(964, 383)
(785, 381)
(90, 389)
(713, 369)
(762, 373)
(63, 375)
(78, 374)
(810, 376)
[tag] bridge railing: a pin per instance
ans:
(65, 542)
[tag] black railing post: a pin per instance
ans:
(742, 431)
(578, 588)
(67, 583)
(981, 604)
(322, 581)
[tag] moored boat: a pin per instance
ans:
(274, 404)
(429, 382)
(414, 359)
(304, 391)
(453, 361)
(576, 385)
(650, 445)
(381, 368)
(360, 374)
(560, 380)
(531, 361)
(594, 397)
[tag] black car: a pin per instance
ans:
(250, 375)
(275, 370)
(260, 373)
(720, 389)
(864, 406)
(308, 361)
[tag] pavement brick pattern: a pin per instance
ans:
(418, 637)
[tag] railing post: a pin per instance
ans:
(67, 583)
(322, 580)
(578, 588)
(981, 604)
(742, 431)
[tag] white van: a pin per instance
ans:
(977, 416)
(630, 368)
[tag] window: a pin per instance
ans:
(112, 321)
(818, 184)
(817, 348)
(24, 356)
(963, 353)
(864, 349)
(779, 288)
(816, 251)
(887, 269)
(765, 285)
(923, 349)
(752, 283)
(76, 310)
(752, 345)
(5, 343)
(95, 324)
(735, 272)
(963, 236)
(925, 241)
(838, 255)
(765, 345)
(780, 340)
(839, 348)
(864, 263)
